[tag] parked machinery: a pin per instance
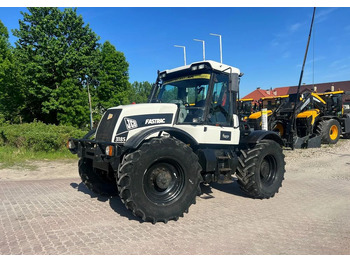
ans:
(270, 103)
(319, 118)
(336, 117)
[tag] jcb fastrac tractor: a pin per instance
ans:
(155, 155)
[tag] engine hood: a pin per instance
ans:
(122, 122)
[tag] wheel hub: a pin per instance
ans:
(265, 169)
(333, 132)
(268, 170)
(163, 181)
(162, 178)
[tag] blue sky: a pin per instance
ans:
(267, 44)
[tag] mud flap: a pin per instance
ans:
(307, 142)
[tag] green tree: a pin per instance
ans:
(11, 99)
(57, 56)
(140, 92)
(114, 88)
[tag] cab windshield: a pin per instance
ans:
(189, 93)
(192, 94)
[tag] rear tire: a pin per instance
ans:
(261, 169)
(329, 130)
(160, 180)
(95, 181)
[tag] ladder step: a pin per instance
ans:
(223, 157)
(225, 169)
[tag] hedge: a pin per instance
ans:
(38, 136)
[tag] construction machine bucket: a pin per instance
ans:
(307, 142)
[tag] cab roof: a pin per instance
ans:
(214, 65)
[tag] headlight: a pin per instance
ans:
(70, 144)
(110, 150)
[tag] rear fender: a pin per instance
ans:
(257, 136)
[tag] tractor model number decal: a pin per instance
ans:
(120, 139)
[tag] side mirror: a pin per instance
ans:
(234, 82)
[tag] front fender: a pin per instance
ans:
(136, 140)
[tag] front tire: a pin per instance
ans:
(261, 169)
(160, 180)
(94, 180)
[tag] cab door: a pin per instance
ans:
(221, 127)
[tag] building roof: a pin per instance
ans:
(318, 88)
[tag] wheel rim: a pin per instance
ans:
(333, 132)
(163, 181)
(268, 170)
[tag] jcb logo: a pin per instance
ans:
(130, 123)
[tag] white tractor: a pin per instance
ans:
(155, 155)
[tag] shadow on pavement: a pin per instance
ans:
(118, 207)
(231, 188)
(114, 201)
(82, 188)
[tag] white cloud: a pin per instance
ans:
(293, 28)
(322, 14)
(310, 60)
(339, 63)
(286, 55)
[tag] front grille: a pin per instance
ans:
(107, 125)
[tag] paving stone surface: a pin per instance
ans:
(310, 215)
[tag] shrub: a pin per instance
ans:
(38, 136)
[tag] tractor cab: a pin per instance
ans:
(270, 103)
(335, 102)
(206, 95)
(246, 107)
